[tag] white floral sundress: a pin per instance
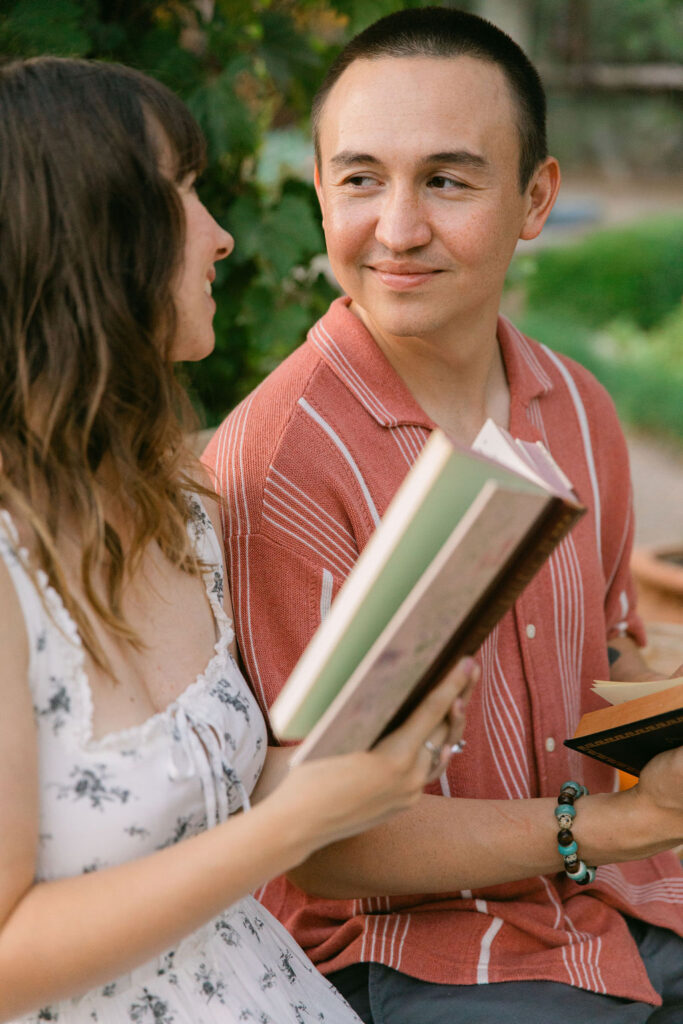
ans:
(110, 800)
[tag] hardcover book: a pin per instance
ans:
(465, 532)
(631, 732)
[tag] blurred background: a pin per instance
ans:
(603, 283)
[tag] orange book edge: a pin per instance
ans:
(616, 715)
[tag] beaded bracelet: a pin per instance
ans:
(565, 812)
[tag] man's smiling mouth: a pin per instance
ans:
(402, 276)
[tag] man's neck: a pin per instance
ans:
(459, 380)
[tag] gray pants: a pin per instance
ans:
(380, 995)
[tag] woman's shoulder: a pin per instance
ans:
(13, 634)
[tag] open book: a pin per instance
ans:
(465, 532)
(643, 720)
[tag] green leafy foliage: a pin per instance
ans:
(613, 30)
(40, 26)
(634, 272)
(231, 133)
(646, 390)
(640, 30)
(613, 303)
(242, 67)
(661, 347)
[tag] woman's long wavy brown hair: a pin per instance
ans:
(91, 240)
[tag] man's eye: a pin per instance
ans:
(360, 181)
(440, 181)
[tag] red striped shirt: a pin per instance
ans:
(308, 464)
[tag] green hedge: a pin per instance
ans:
(613, 302)
(634, 273)
(647, 394)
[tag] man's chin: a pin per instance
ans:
(395, 323)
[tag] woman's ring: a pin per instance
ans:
(435, 755)
(458, 747)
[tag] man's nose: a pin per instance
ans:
(402, 223)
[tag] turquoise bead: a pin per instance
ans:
(567, 851)
(565, 812)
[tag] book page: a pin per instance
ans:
(547, 468)
(530, 458)
(497, 443)
(616, 692)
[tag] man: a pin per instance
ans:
(431, 164)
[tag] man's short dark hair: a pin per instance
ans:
(444, 32)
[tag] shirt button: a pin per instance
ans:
(531, 631)
(550, 744)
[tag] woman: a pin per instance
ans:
(126, 724)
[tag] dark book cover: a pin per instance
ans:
(631, 745)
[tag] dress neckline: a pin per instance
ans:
(74, 651)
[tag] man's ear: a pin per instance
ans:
(541, 195)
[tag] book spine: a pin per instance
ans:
(553, 524)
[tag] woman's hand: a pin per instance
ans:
(333, 798)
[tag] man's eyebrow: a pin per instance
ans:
(461, 157)
(347, 158)
(464, 157)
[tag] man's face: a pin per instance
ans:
(419, 189)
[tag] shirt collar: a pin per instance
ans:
(350, 351)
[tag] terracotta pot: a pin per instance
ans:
(658, 572)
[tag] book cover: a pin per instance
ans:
(463, 535)
(630, 733)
